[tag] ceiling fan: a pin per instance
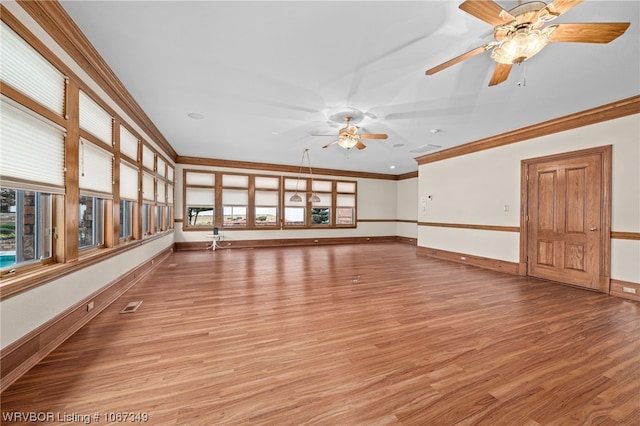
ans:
(348, 136)
(520, 32)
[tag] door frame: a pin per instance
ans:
(605, 154)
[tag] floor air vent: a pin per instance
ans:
(131, 307)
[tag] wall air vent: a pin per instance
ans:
(425, 148)
(131, 307)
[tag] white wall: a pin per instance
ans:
(29, 309)
(474, 189)
(376, 201)
(407, 207)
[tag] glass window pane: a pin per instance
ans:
(91, 221)
(344, 216)
(294, 216)
(234, 216)
(266, 216)
(25, 226)
(126, 218)
(200, 216)
(320, 216)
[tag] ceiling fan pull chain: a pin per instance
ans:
(523, 80)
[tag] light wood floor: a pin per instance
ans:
(285, 337)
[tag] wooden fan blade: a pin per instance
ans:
(457, 59)
(500, 74)
(487, 11)
(558, 7)
(360, 145)
(331, 143)
(597, 32)
(373, 136)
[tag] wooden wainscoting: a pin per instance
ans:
(289, 242)
(469, 259)
(357, 334)
(21, 355)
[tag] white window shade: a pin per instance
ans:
(169, 194)
(128, 181)
(162, 167)
(24, 69)
(345, 200)
(238, 181)
(148, 182)
(31, 152)
(160, 192)
(264, 182)
(170, 174)
(325, 199)
(266, 198)
(200, 197)
(204, 179)
(235, 197)
(95, 120)
(349, 187)
(290, 184)
(148, 157)
(96, 170)
(322, 185)
(128, 143)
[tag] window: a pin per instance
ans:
(234, 216)
(266, 200)
(345, 203)
(295, 211)
(157, 219)
(25, 227)
(199, 199)
(235, 200)
(146, 218)
(321, 210)
(126, 219)
(91, 221)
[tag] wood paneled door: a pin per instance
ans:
(566, 218)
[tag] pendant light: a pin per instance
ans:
(296, 198)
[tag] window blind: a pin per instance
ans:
(128, 143)
(148, 182)
(128, 181)
(200, 197)
(96, 170)
(160, 192)
(235, 197)
(148, 157)
(95, 120)
(31, 152)
(24, 69)
(170, 194)
(162, 167)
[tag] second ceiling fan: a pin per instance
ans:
(520, 32)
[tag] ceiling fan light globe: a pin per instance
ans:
(521, 45)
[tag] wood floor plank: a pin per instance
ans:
(288, 336)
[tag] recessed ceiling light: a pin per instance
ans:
(392, 167)
(434, 131)
(195, 116)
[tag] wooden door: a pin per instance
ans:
(564, 220)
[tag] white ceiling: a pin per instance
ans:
(267, 75)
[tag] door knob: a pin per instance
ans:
(593, 229)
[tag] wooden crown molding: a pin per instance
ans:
(210, 162)
(52, 17)
(599, 114)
